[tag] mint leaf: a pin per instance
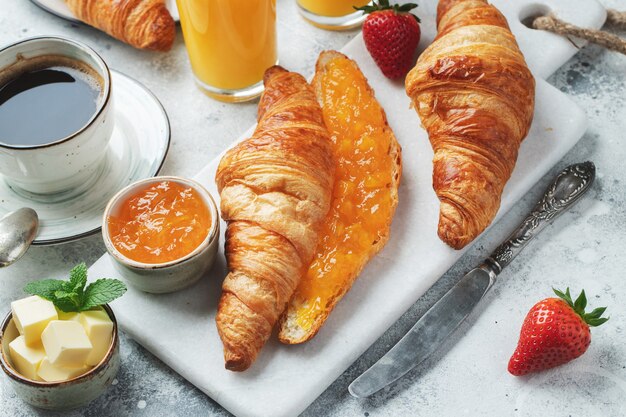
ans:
(63, 294)
(56, 291)
(44, 288)
(71, 296)
(78, 278)
(101, 292)
(67, 305)
(69, 300)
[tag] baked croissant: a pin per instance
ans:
(475, 96)
(275, 190)
(144, 24)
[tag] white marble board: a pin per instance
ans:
(180, 328)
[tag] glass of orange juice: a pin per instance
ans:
(332, 14)
(230, 45)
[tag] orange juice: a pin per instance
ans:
(230, 42)
(331, 8)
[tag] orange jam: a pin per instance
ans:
(160, 223)
(362, 205)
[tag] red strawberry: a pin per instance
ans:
(391, 36)
(555, 331)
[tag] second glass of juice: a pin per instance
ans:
(332, 14)
(230, 45)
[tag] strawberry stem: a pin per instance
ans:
(384, 5)
(594, 318)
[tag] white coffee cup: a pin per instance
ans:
(65, 163)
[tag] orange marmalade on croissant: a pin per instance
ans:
(160, 223)
(362, 205)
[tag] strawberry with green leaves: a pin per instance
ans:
(391, 35)
(555, 331)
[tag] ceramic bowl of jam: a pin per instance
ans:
(162, 233)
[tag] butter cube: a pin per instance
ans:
(66, 344)
(26, 359)
(31, 315)
(51, 373)
(67, 316)
(99, 329)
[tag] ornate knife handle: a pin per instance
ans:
(566, 190)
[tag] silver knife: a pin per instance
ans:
(450, 311)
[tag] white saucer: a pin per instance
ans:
(140, 141)
(59, 8)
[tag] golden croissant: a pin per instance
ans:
(144, 24)
(475, 96)
(275, 190)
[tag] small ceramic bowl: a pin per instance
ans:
(65, 395)
(168, 276)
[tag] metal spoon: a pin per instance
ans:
(17, 231)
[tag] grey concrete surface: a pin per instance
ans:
(584, 248)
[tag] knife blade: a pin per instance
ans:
(427, 334)
(434, 327)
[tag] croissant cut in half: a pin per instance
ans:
(475, 96)
(275, 190)
(144, 24)
(364, 199)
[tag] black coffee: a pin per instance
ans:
(45, 99)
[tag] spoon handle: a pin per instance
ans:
(18, 229)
